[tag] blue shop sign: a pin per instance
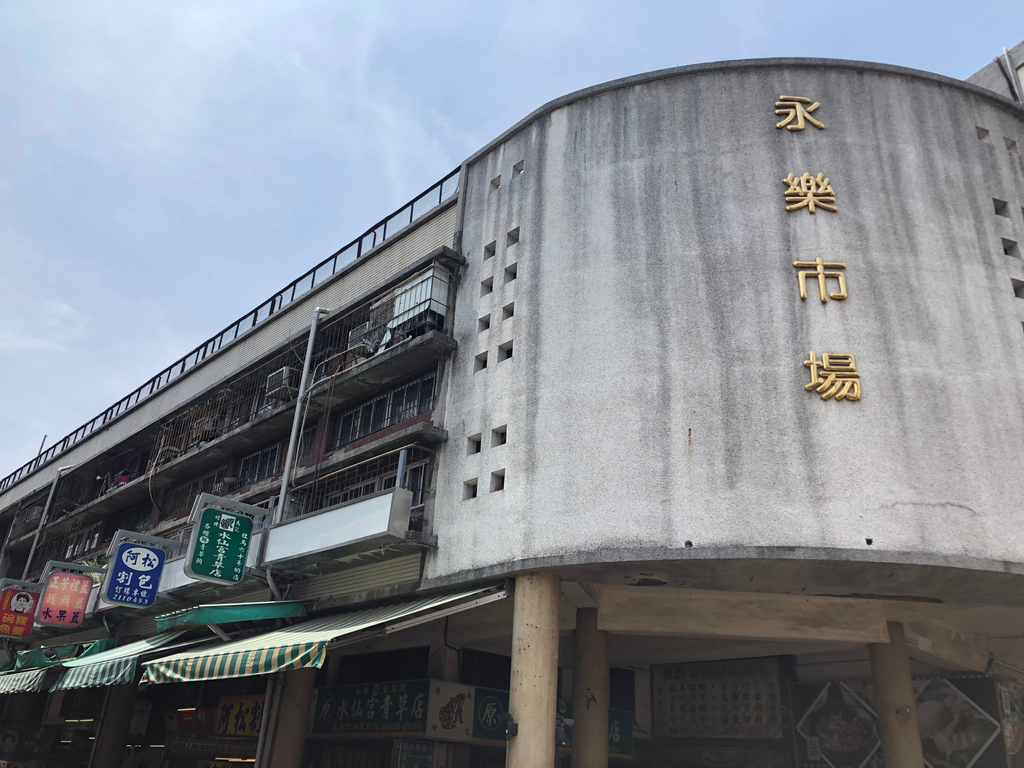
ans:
(133, 575)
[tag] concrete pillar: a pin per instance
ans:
(292, 718)
(108, 750)
(590, 692)
(894, 695)
(534, 687)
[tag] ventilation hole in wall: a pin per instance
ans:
(490, 249)
(483, 323)
(519, 167)
(1018, 287)
(469, 490)
(512, 237)
(505, 351)
(1010, 247)
(480, 362)
(499, 436)
(1002, 209)
(687, 544)
(508, 311)
(510, 272)
(1011, 145)
(869, 542)
(474, 444)
(486, 286)
(982, 132)
(498, 480)
(496, 182)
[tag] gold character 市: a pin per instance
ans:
(821, 270)
(841, 378)
(792, 108)
(809, 192)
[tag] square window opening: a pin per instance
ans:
(480, 362)
(1001, 207)
(505, 351)
(982, 132)
(498, 480)
(474, 444)
(509, 310)
(496, 182)
(486, 286)
(490, 249)
(1010, 248)
(511, 272)
(483, 323)
(1018, 287)
(499, 435)
(1011, 145)
(512, 237)
(519, 167)
(469, 490)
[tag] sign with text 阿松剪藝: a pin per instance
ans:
(219, 546)
(133, 575)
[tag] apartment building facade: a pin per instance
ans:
(680, 425)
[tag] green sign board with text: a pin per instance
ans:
(219, 546)
(374, 708)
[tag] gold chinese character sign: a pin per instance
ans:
(810, 192)
(791, 108)
(821, 270)
(838, 376)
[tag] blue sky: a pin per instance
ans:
(168, 166)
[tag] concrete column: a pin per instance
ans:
(894, 695)
(108, 750)
(534, 687)
(590, 692)
(292, 718)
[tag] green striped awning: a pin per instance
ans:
(19, 682)
(301, 645)
(228, 613)
(113, 667)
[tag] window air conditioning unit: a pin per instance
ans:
(366, 339)
(282, 384)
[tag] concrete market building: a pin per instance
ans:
(681, 425)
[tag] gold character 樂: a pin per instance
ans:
(838, 376)
(809, 192)
(821, 270)
(792, 108)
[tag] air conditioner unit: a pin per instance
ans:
(366, 339)
(282, 384)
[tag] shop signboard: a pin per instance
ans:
(66, 589)
(412, 754)
(451, 710)
(721, 700)
(489, 705)
(133, 575)
(373, 709)
(18, 601)
(239, 715)
(958, 721)
(219, 546)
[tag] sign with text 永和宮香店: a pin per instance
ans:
(219, 546)
(133, 575)
(65, 596)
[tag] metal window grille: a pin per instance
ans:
(398, 404)
(259, 465)
(179, 499)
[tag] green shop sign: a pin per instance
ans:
(374, 708)
(219, 546)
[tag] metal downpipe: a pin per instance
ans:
(42, 520)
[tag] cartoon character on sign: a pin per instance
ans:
(450, 714)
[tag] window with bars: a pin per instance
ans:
(398, 404)
(258, 465)
(179, 499)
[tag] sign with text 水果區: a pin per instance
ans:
(64, 599)
(219, 546)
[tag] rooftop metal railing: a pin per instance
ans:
(387, 227)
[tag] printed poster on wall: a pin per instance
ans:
(958, 721)
(720, 700)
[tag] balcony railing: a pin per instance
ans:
(377, 234)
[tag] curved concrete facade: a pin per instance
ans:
(654, 400)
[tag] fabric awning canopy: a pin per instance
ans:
(113, 667)
(301, 645)
(19, 682)
(227, 613)
(51, 656)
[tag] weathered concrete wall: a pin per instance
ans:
(992, 77)
(655, 403)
